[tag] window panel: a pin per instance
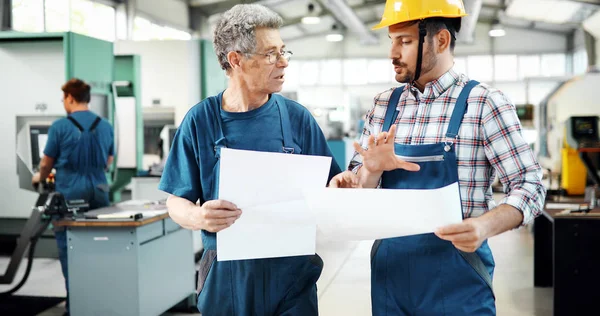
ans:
(580, 62)
(28, 15)
(57, 15)
(93, 19)
(309, 74)
(355, 71)
(121, 24)
(144, 30)
(380, 71)
(554, 65)
(330, 72)
(516, 92)
(505, 67)
(529, 66)
(460, 65)
(480, 67)
(292, 76)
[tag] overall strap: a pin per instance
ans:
(392, 110)
(460, 108)
(286, 127)
(219, 140)
(79, 127)
(95, 123)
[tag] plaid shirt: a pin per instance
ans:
(489, 142)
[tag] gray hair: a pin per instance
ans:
(235, 29)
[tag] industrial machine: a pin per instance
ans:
(580, 155)
(39, 64)
(568, 135)
(32, 134)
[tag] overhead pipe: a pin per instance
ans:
(343, 13)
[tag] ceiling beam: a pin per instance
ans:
(592, 2)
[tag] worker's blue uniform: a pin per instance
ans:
(423, 274)
(78, 181)
(274, 286)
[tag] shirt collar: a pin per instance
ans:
(436, 87)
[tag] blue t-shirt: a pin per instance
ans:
(190, 169)
(62, 137)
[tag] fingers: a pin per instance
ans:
(371, 142)
(217, 228)
(464, 239)
(220, 204)
(359, 148)
(336, 181)
(409, 166)
(453, 229)
(218, 214)
(349, 180)
(381, 138)
(393, 129)
(346, 179)
(466, 248)
(220, 209)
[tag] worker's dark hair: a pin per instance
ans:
(78, 89)
(434, 25)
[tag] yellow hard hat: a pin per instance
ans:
(399, 11)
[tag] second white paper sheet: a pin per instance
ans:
(367, 214)
(267, 187)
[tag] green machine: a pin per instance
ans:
(129, 129)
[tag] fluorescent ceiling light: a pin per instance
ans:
(334, 37)
(311, 20)
(497, 32)
(551, 11)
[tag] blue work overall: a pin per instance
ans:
(423, 275)
(273, 286)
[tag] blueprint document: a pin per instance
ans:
(268, 188)
(367, 214)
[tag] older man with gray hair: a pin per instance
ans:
(247, 115)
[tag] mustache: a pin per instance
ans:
(397, 62)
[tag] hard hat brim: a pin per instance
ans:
(383, 24)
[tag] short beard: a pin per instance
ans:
(429, 62)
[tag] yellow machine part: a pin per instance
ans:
(574, 173)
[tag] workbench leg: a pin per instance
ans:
(542, 252)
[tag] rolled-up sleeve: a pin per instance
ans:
(512, 158)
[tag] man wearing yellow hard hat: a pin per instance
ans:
(438, 129)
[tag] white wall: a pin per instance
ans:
(516, 41)
(34, 74)
(174, 12)
(170, 71)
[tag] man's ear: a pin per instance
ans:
(234, 59)
(443, 40)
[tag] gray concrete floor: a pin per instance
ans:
(345, 283)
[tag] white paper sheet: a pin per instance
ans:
(366, 214)
(268, 187)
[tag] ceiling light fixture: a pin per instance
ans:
(312, 17)
(497, 30)
(335, 35)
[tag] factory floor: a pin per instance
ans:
(345, 282)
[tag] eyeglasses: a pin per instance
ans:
(274, 57)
